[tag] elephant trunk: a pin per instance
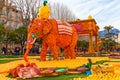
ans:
(26, 54)
(28, 48)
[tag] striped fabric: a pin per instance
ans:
(64, 29)
(59, 22)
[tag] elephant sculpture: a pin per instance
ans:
(53, 33)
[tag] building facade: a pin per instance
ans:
(10, 17)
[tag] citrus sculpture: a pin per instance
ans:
(53, 35)
(53, 32)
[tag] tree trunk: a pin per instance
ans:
(6, 45)
(22, 47)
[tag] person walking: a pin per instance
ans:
(17, 50)
(4, 50)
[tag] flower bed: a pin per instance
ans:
(115, 56)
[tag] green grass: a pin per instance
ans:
(5, 61)
(101, 62)
(10, 56)
(103, 52)
(61, 77)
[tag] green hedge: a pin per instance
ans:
(10, 56)
(103, 52)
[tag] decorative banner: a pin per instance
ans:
(78, 27)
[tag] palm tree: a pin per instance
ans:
(108, 44)
(108, 28)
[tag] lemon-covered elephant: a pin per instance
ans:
(54, 33)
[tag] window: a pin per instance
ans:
(16, 17)
(3, 12)
(10, 25)
(16, 25)
(10, 15)
(1, 21)
(16, 11)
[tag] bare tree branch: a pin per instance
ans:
(28, 9)
(62, 12)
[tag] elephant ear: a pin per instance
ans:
(47, 27)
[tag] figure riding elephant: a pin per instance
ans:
(54, 34)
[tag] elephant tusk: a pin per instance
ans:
(33, 41)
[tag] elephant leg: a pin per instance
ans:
(67, 53)
(73, 43)
(43, 51)
(72, 52)
(54, 51)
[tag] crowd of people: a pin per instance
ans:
(36, 50)
(17, 50)
(111, 50)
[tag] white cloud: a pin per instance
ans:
(105, 12)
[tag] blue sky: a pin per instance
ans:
(105, 12)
